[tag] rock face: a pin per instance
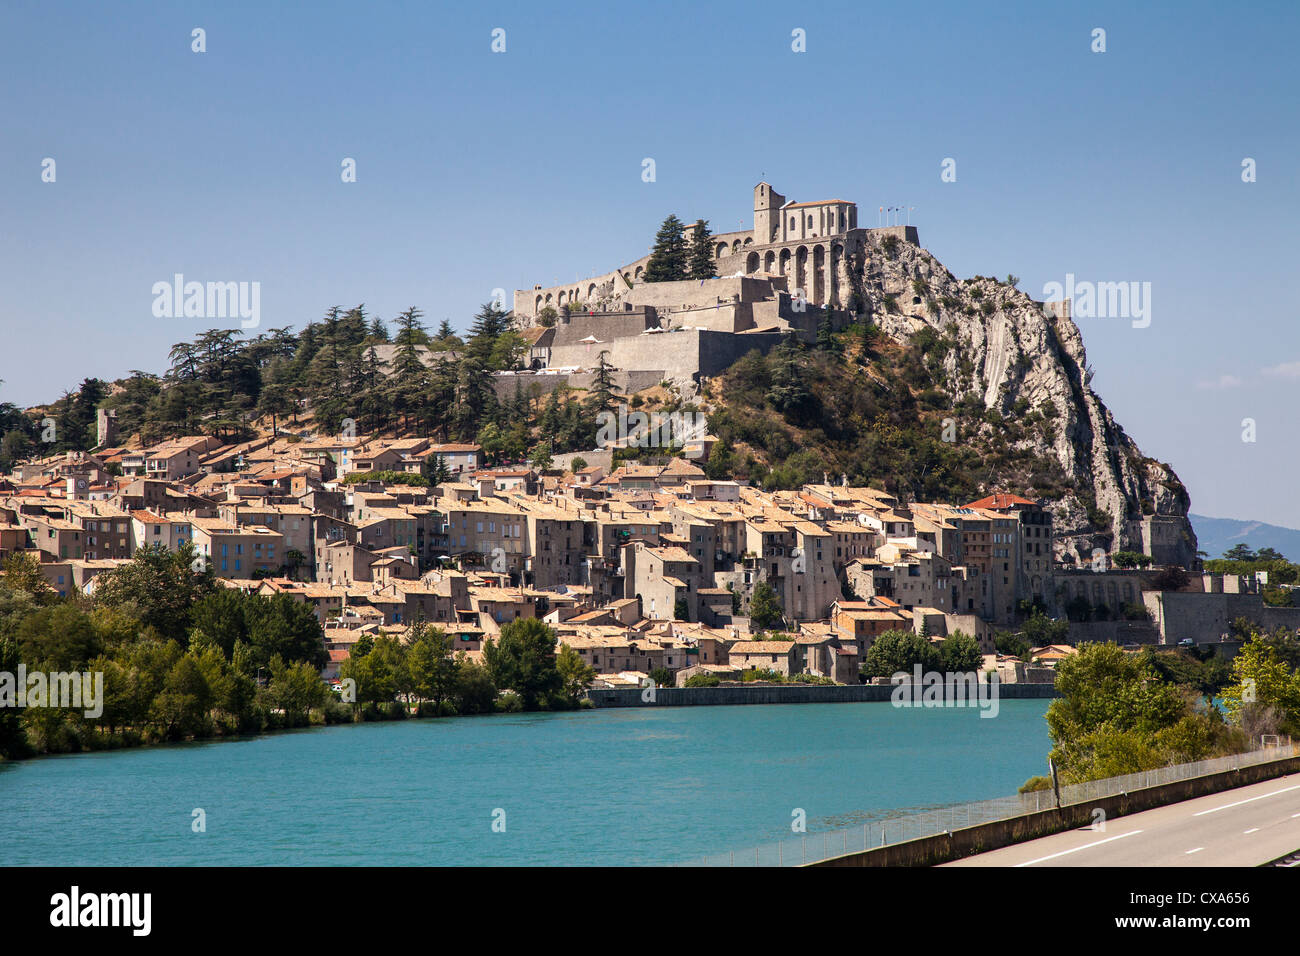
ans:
(1019, 356)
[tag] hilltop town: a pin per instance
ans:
(647, 566)
(807, 270)
(640, 558)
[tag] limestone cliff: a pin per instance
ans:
(1018, 357)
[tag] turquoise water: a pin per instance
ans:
(614, 787)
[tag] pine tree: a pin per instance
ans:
(603, 389)
(474, 400)
(789, 393)
(411, 329)
(489, 323)
(354, 327)
(765, 609)
(720, 462)
(408, 387)
(438, 471)
(702, 264)
(446, 337)
(868, 337)
(825, 338)
(542, 457)
(552, 417)
(668, 259)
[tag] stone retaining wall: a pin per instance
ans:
(783, 694)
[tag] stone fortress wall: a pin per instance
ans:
(812, 245)
(786, 275)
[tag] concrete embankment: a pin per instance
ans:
(794, 694)
(933, 850)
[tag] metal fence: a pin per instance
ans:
(824, 844)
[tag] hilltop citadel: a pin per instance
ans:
(797, 266)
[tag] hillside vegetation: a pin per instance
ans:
(876, 411)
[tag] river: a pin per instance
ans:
(609, 786)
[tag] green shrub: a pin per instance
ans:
(704, 679)
(509, 703)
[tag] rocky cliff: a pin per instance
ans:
(1019, 359)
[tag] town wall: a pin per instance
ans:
(540, 384)
(785, 694)
(1205, 617)
(605, 327)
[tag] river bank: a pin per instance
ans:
(945, 695)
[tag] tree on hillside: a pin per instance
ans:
(576, 674)
(446, 337)
(408, 387)
(895, 651)
(701, 261)
(720, 462)
(765, 608)
(603, 389)
(276, 401)
(23, 574)
(474, 396)
(523, 660)
(826, 334)
(432, 668)
(161, 587)
(960, 653)
(790, 393)
(867, 336)
(410, 330)
(1040, 630)
(542, 457)
(437, 471)
(668, 259)
(490, 323)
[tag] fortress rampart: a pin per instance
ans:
(791, 272)
(811, 245)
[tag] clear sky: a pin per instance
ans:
(478, 170)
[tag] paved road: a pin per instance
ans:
(1248, 826)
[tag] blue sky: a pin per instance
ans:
(478, 170)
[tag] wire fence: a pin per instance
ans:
(825, 844)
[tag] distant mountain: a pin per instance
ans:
(1217, 535)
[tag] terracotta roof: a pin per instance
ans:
(762, 647)
(1000, 502)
